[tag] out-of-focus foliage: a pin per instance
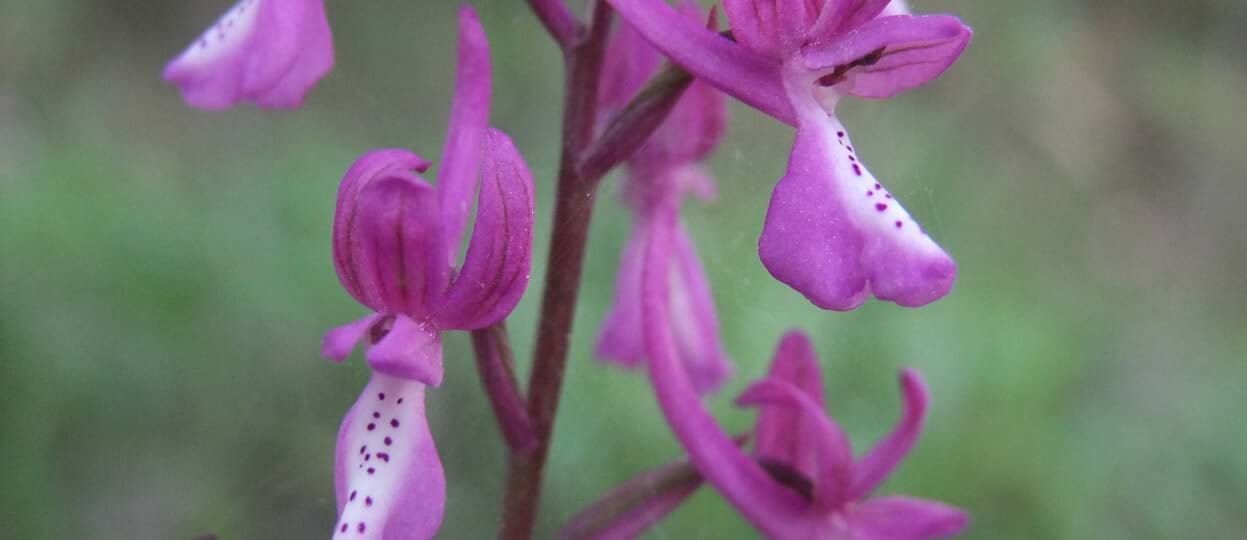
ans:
(165, 277)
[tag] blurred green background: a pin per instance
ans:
(165, 277)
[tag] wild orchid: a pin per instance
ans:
(658, 175)
(270, 52)
(802, 481)
(832, 232)
(395, 241)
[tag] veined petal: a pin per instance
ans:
(835, 455)
(888, 55)
(734, 69)
(340, 341)
(267, 51)
(495, 271)
(877, 464)
(388, 477)
(401, 243)
(904, 518)
(755, 24)
(410, 350)
(780, 433)
(835, 235)
(348, 248)
(469, 119)
(695, 324)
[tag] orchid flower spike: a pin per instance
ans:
(658, 175)
(803, 481)
(395, 241)
(832, 231)
(270, 52)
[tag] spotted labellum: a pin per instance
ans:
(395, 246)
(832, 232)
(657, 178)
(270, 52)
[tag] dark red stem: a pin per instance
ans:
(496, 364)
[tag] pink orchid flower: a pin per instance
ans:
(395, 241)
(658, 175)
(270, 52)
(832, 232)
(827, 492)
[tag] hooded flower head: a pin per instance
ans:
(657, 178)
(803, 481)
(394, 244)
(832, 232)
(267, 51)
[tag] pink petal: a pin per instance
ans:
(268, 51)
(755, 24)
(469, 118)
(387, 475)
(904, 518)
(340, 341)
(347, 248)
(904, 52)
(411, 350)
(630, 62)
(780, 434)
(734, 69)
(834, 454)
(495, 271)
(400, 238)
(777, 511)
(835, 235)
(877, 464)
(696, 326)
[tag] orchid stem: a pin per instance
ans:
(573, 209)
(496, 364)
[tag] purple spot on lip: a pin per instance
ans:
(371, 470)
(840, 134)
(898, 224)
(361, 528)
(878, 186)
(400, 401)
(376, 414)
(381, 396)
(352, 497)
(343, 529)
(388, 441)
(849, 148)
(394, 423)
(881, 207)
(851, 158)
(367, 501)
(870, 194)
(367, 457)
(857, 170)
(362, 448)
(888, 195)
(371, 426)
(386, 457)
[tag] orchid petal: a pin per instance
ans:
(469, 119)
(268, 51)
(777, 511)
(835, 235)
(696, 327)
(734, 69)
(347, 248)
(779, 434)
(888, 55)
(876, 465)
(755, 25)
(340, 341)
(835, 455)
(904, 518)
(410, 350)
(401, 243)
(862, 11)
(388, 477)
(495, 271)
(630, 62)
